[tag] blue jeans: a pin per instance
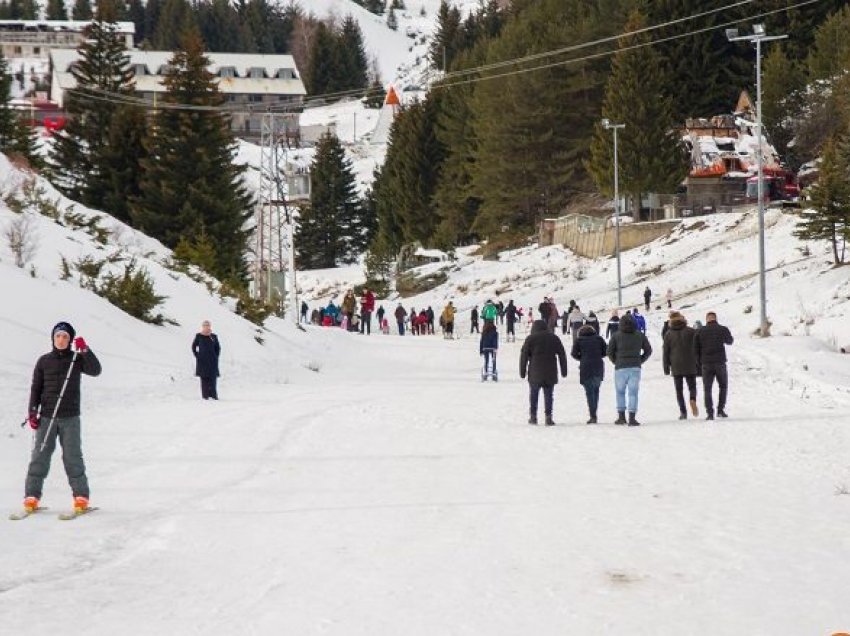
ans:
(627, 380)
(591, 391)
(534, 395)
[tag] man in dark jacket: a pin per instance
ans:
(400, 315)
(613, 325)
(628, 349)
(511, 316)
(54, 411)
(473, 320)
(589, 349)
(539, 358)
(710, 351)
(206, 349)
(678, 358)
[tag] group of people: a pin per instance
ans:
(350, 315)
(688, 353)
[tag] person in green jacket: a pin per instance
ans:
(490, 312)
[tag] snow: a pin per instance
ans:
(373, 485)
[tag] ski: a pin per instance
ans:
(17, 516)
(69, 516)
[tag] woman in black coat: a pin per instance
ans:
(590, 350)
(206, 350)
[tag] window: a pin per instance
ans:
(285, 73)
(254, 97)
(36, 50)
(256, 73)
(227, 71)
(140, 69)
(18, 50)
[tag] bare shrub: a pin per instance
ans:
(22, 237)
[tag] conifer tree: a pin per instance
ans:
(324, 70)
(353, 56)
(332, 229)
(444, 46)
(125, 153)
(828, 217)
(392, 20)
(81, 160)
(56, 10)
(783, 99)
(175, 19)
(651, 156)
(190, 184)
(82, 10)
(8, 119)
(375, 6)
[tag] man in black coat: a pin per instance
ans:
(539, 358)
(679, 358)
(54, 412)
(589, 349)
(710, 351)
(206, 349)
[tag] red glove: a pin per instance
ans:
(80, 345)
(32, 420)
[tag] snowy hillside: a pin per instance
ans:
(351, 485)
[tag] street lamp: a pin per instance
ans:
(759, 35)
(607, 125)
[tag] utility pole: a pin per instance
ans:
(606, 123)
(759, 35)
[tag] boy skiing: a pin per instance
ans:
(54, 412)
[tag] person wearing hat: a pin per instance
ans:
(54, 412)
(207, 349)
(680, 360)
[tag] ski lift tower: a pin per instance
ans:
(281, 184)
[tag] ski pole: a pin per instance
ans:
(58, 402)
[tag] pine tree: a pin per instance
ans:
(190, 184)
(56, 10)
(324, 71)
(705, 72)
(783, 100)
(651, 156)
(828, 218)
(392, 20)
(175, 19)
(125, 154)
(331, 230)
(375, 6)
(444, 46)
(353, 56)
(136, 15)
(81, 159)
(831, 49)
(81, 10)
(8, 118)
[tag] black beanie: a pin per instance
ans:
(63, 326)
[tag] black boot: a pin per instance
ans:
(721, 413)
(710, 416)
(592, 419)
(621, 417)
(683, 416)
(550, 421)
(632, 420)
(532, 419)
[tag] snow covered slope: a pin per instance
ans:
(352, 485)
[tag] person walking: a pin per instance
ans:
(54, 412)
(512, 314)
(628, 349)
(590, 349)
(640, 321)
(669, 298)
(678, 358)
(349, 304)
(647, 297)
(448, 317)
(593, 321)
(489, 312)
(206, 349)
(576, 319)
(710, 350)
(380, 315)
(541, 353)
(367, 306)
(400, 315)
(473, 320)
(487, 347)
(304, 310)
(613, 325)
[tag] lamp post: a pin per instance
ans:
(607, 125)
(759, 35)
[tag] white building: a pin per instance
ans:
(34, 38)
(257, 82)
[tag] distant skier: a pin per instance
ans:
(710, 349)
(487, 347)
(54, 412)
(589, 349)
(647, 297)
(678, 358)
(541, 353)
(628, 349)
(206, 349)
(473, 320)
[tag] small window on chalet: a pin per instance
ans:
(256, 73)
(36, 50)
(285, 73)
(140, 69)
(227, 71)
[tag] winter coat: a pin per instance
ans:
(593, 321)
(647, 294)
(448, 314)
(474, 315)
(206, 350)
(381, 313)
(400, 313)
(511, 313)
(348, 304)
(368, 302)
(640, 322)
(490, 312)
(540, 355)
(589, 349)
(628, 347)
(489, 340)
(613, 326)
(709, 343)
(49, 375)
(678, 355)
(544, 309)
(576, 317)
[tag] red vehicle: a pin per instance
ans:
(779, 185)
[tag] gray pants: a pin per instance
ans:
(67, 429)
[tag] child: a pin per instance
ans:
(487, 347)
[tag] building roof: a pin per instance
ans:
(58, 25)
(156, 62)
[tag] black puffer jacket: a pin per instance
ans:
(589, 349)
(49, 375)
(709, 343)
(628, 347)
(678, 352)
(541, 352)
